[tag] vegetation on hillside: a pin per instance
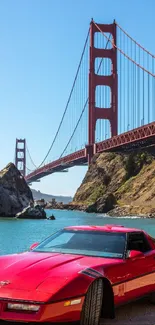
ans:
(125, 180)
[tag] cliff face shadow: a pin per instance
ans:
(137, 313)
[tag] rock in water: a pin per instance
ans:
(36, 212)
(14, 191)
(52, 217)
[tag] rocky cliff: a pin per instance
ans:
(14, 192)
(119, 184)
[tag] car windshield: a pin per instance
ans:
(89, 243)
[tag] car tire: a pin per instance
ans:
(92, 306)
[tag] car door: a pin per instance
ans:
(118, 270)
(141, 268)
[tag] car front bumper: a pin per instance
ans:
(50, 312)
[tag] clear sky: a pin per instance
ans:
(40, 46)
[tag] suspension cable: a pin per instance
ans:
(83, 107)
(30, 156)
(30, 170)
(85, 44)
(145, 70)
(125, 55)
(132, 39)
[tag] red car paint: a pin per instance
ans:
(51, 279)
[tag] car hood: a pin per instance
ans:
(30, 270)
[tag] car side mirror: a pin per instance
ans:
(134, 254)
(33, 246)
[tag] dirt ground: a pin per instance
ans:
(137, 313)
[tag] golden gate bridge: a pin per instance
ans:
(111, 105)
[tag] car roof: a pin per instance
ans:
(107, 228)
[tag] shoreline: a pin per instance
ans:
(126, 211)
(120, 212)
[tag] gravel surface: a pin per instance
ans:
(138, 313)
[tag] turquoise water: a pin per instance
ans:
(18, 235)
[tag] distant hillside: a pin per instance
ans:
(37, 195)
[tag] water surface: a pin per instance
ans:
(17, 235)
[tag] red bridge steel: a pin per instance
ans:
(131, 101)
(142, 136)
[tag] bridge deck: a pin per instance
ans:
(77, 158)
(141, 137)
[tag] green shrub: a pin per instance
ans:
(135, 162)
(97, 193)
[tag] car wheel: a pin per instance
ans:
(92, 306)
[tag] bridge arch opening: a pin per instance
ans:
(100, 40)
(103, 96)
(103, 66)
(102, 130)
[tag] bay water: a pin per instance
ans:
(17, 235)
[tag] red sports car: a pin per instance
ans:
(77, 274)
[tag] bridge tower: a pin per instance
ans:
(20, 156)
(95, 80)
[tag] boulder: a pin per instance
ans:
(15, 194)
(103, 204)
(52, 217)
(36, 212)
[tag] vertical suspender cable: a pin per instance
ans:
(120, 86)
(148, 66)
(143, 92)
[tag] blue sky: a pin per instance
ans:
(40, 46)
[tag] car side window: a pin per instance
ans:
(138, 242)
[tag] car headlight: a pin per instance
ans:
(26, 307)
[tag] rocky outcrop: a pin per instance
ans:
(52, 217)
(14, 191)
(54, 205)
(131, 210)
(119, 184)
(104, 204)
(35, 212)
(61, 206)
(41, 202)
